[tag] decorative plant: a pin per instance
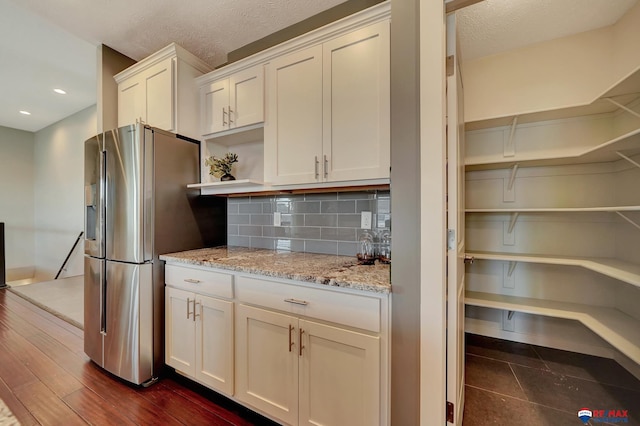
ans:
(220, 167)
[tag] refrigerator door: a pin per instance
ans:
(93, 296)
(125, 194)
(128, 332)
(94, 197)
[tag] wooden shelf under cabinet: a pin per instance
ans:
(619, 329)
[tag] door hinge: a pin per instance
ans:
(450, 63)
(451, 239)
(450, 412)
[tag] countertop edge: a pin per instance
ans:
(330, 282)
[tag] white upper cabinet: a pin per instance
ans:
(356, 104)
(160, 91)
(233, 102)
(328, 110)
(293, 132)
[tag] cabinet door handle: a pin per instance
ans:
(192, 280)
(297, 302)
(325, 167)
(230, 112)
(291, 329)
(194, 309)
(300, 343)
(317, 164)
(224, 113)
(188, 307)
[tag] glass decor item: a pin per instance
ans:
(366, 251)
(384, 255)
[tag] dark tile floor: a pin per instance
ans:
(509, 383)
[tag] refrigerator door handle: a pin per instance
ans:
(103, 301)
(102, 215)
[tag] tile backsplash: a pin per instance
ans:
(326, 223)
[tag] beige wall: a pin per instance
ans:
(16, 200)
(59, 192)
(560, 73)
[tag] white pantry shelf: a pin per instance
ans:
(556, 209)
(627, 144)
(617, 269)
(619, 329)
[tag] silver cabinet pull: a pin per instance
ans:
(297, 302)
(230, 112)
(189, 307)
(194, 309)
(317, 164)
(192, 280)
(325, 167)
(224, 113)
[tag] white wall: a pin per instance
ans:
(16, 200)
(59, 192)
(565, 72)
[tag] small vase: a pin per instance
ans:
(226, 177)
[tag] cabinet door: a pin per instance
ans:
(356, 105)
(214, 343)
(267, 362)
(293, 128)
(339, 376)
(214, 99)
(131, 101)
(180, 330)
(160, 95)
(246, 97)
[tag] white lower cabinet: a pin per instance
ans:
(199, 338)
(300, 354)
(307, 373)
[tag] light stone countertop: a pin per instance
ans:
(338, 271)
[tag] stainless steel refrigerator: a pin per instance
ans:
(136, 208)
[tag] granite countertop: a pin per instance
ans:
(339, 271)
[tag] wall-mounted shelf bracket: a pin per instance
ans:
(509, 144)
(619, 105)
(509, 278)
(635, 163)
(512, 222)
(509, 194)
(628, 219)
(512, 177)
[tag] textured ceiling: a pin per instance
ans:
(494, 26)
(50, 43)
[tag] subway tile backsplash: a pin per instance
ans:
(327, 223)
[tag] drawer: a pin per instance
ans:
(352, 310)
(198, 280)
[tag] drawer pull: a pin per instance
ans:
(192, 280)
(297, 302)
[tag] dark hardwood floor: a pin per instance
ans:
(46, 379)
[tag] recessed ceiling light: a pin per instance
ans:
(25, 112)
(60, 91)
